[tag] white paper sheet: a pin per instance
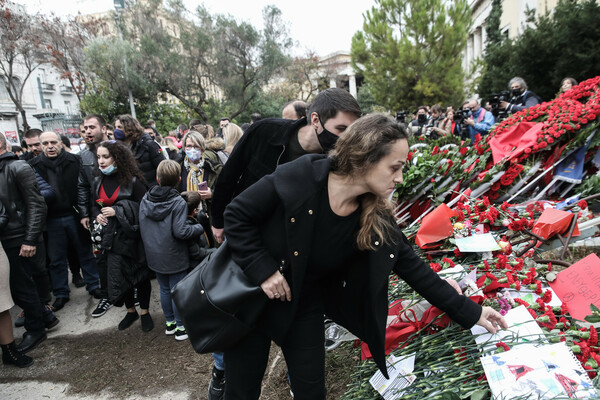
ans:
(399, 371)
(477, 243)
(544, 372)
(522, 329)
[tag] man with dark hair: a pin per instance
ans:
(264, 146)
(22, 242)
(32, 140)
(416, 126)
(181, 131)
(272, 142)
(294, 109)
(521, 97)
(223, 122)
(61, 170)
(66, 143)
(255, 117)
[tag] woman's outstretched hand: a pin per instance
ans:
(491, 319)
(277, 288)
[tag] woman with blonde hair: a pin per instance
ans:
(231, 134)
(318, 236)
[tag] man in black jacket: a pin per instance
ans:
(522, 98)
(61, 170)
(271, 142)
(21, 239)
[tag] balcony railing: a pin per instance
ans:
(48, 87)
(64, 89)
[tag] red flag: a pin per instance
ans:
(435, 227)
(515, 140)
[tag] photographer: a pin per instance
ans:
(521, 97)
(440, 126)
(480, 121)
(417, 125)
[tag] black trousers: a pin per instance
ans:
(144, 289)
(101, 261)
(24, 290)
(304, 352)
(40, 274)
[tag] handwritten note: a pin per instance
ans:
(579, 286)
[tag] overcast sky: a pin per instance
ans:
(324, 26)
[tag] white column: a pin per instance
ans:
(483, 38)
(477, 43)
(332, 83)
(469, 53)
(352, 84)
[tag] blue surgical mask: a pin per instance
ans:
(108, 170)
(119, 134)
(193, 155)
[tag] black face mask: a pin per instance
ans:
(516, 92)
(326, 139)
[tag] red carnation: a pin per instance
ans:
(503, 346)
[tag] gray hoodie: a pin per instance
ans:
(164, 229)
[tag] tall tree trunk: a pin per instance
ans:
(24, 116)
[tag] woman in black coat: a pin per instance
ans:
(146, 151)
(116, 194)
(319, 237)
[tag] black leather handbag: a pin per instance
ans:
(217, 302)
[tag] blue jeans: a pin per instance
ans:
(166, 283)
(219, 362)
(61, 230)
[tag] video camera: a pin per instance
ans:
(401, 117)
(461, 115)
(495, 100)
(459, 118)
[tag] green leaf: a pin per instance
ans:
(450, 396)
(592, 318)
(594, 309)
(480, 395)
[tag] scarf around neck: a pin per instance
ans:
(195, 174)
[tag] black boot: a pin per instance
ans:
(10, 355)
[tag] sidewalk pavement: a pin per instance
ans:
(76, 320)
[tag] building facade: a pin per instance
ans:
(49, 101)
(512, 23)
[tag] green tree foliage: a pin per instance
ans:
(191, 57)
(551, 48)
(410, 51)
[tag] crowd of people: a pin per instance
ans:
(306, 216)
(474, 118)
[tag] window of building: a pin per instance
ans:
(47, 103)
(68, 107)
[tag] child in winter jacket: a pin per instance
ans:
(165, 232)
